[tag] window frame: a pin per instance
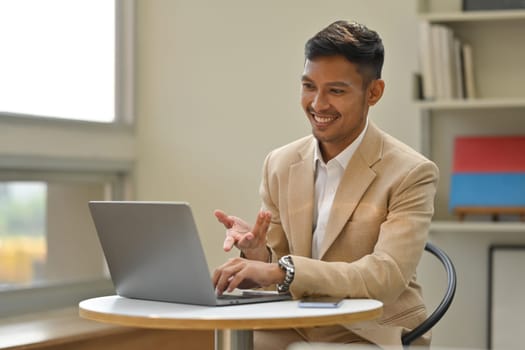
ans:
(111, 156)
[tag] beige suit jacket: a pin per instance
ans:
(375, 235)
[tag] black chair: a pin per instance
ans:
(443, 306)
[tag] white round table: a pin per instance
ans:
(241, 320)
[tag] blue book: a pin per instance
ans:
(487, 190)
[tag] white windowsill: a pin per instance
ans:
(51, 327)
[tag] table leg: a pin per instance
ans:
(233, 339)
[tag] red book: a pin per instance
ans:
(489, 154)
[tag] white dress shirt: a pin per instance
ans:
(327, 179)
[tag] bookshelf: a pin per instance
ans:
(498, 108)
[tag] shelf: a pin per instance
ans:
(476, 227)
(499, 108)
(488, 103)
(473, 16)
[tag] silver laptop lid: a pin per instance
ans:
(153, 251)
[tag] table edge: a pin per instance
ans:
(207, 324)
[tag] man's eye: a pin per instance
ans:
(337, 91)
(308, 86)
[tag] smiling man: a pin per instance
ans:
(346, 210)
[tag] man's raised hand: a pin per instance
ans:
(250, 240)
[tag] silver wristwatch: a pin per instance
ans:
(286, 264)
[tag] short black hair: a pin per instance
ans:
(355, 42)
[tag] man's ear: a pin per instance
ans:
(375, 91)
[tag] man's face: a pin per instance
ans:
(336, 102)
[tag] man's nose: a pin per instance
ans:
(320, 102)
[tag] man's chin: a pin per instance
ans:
(320, 135)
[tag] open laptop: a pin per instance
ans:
(153, 252)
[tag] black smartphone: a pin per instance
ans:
(320, 302)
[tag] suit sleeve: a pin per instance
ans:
(276, 237)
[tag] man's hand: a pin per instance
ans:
(244, 273)
(250, 240)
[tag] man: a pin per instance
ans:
(346, 211)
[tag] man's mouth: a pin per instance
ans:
(323, 119)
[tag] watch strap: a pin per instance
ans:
(286, 264)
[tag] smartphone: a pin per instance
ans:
(320, 302)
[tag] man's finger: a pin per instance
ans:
(266, 224)
(258, 222)
(262, 223)
(229, 241)
(223, 218)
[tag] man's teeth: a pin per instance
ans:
(323, 119)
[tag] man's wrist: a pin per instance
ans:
(260, 255)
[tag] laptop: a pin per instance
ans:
(154, 252)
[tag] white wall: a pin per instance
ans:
(218, 87)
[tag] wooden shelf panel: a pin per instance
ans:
(476, 227)
(474, 16)
(487, 103)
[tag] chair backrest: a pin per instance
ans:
(443, 306)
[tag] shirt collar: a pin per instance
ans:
(343, 158)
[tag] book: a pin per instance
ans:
(445, 67)
(489, 154)
(468, 65)
(458, 75)
(438, 57)
(426, 60)
(488, 172)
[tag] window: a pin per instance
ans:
(65, 138)
(49, 250)
(59, 59)
(23, 246)
(46, 234)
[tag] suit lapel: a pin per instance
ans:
(356, 180)
(301, 201)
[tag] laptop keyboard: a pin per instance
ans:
(237, 296)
